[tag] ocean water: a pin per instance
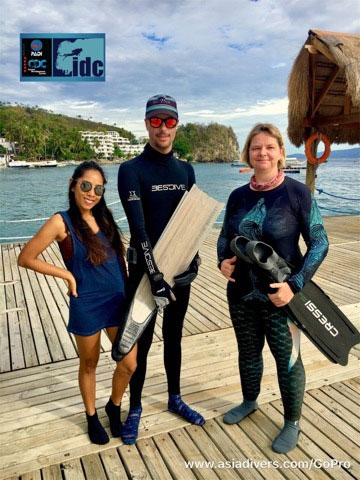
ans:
(27, 194)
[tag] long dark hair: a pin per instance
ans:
(95, 246)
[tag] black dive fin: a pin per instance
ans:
(311, 310)
(238, 246)
(323, 323)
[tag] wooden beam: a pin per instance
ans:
(311, 49)
(322, 48)
(311, 167)
(325, 89)
(332, 120)
(348, 125)
(347, 106)
(312, 80)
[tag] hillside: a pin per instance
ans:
(207, 143)
(41, 133)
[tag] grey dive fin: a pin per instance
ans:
(311, 310)
(266, 258)
(238, 247)
(128, 336)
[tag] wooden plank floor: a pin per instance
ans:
(34, 307)
(42, 421)
(42, 424)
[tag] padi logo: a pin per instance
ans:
(147, 256)
(132, 196)
(36, 45)
(321, 317)
(169, 186)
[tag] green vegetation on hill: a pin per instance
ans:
(39, 133)
(206, 143)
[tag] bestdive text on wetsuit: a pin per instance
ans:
(314, 463)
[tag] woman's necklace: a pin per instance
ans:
(273, 183)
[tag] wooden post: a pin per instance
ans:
(310, 167)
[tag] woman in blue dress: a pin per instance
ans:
(91, 246)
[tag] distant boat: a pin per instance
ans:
(18, 164)
(293, 162)
(245, 170)
(291, 170)
(45, 163)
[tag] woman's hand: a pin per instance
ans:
(283, 296)
(71, 284)
(227, 268)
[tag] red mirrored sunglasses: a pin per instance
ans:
(156, 122)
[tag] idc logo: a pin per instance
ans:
(79, 58)
(64, 57)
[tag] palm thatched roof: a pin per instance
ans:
(324, 88)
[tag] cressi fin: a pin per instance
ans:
(311, 310)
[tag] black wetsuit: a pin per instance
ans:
(277, 217)
(150, 187)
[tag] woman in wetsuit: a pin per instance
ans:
(274, 209)
(95, 273)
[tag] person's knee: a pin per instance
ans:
(88, 365)
(127, 366)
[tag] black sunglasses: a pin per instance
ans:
(86, 186)
(156, 122)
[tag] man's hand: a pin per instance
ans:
(161, 291)
(227, 268)
(283, 295)
(190, 274)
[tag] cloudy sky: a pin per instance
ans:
(226, 61)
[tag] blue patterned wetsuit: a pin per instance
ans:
(277, 217)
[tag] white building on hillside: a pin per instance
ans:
(105, 143)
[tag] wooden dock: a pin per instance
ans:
(42, 424)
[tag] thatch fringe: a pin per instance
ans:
(343, 48)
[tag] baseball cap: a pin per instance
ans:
(161, 104)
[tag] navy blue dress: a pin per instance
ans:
(101, 289)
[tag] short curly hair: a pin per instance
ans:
(269, 129)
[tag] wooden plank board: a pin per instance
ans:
(112, 464)
(72, 470)
(172, 457)
(153, 460)
(133, 462)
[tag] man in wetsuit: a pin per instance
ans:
(150, 188)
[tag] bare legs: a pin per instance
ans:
(89, 351)
(123, 371)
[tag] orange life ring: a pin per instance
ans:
(310, 141)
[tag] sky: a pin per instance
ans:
(223, 61)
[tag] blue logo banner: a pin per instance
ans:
(62, 57)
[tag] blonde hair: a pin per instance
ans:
(269, 129)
